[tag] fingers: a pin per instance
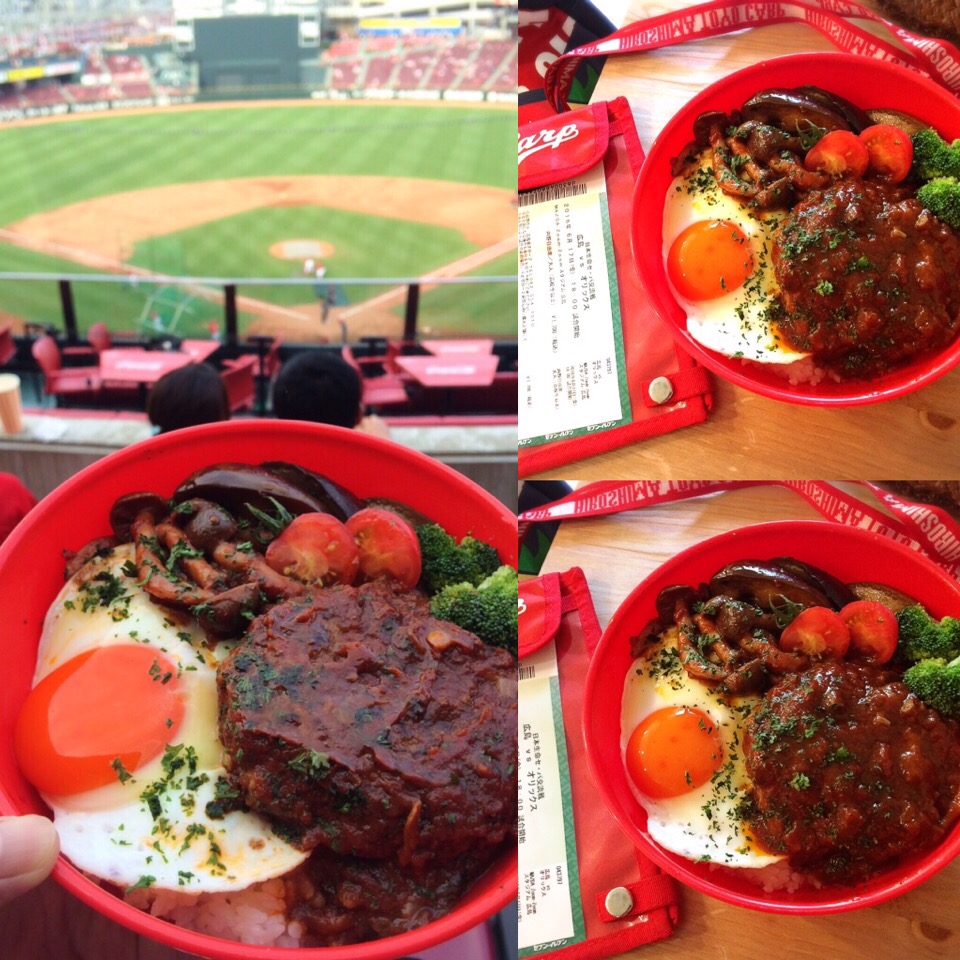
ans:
(28, 850)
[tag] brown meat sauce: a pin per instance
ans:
(380, 738)
(850, 771)
(868, 278)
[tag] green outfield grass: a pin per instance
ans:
(454, 307)
(47, 166)
(239, 246)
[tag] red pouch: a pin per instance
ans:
(665, 389)
(566, 897)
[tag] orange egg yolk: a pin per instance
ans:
(708, 259)
(104, 712)
(674, 750)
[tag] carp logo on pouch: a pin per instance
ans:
(545, 140)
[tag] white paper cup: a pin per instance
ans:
(11, 406)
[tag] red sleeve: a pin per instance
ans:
(16, 501)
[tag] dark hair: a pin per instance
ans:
(191, 394)
(318, 385)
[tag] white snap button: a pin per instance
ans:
(660, 390)
(618, 902)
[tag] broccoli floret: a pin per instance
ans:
(921, 637)
(445, 562)
(489, 611)
(937, 683)
(933, 156)
(941, 196)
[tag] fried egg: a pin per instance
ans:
(119, 735)
(681, 745)
(717, 254)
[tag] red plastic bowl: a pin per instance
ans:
(849, 553)
(31, 572)
(867, 83)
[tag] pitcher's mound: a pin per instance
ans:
(301, 249)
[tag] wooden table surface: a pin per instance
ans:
(747, 435)
(616, 553)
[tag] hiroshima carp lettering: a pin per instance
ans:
(545, 140)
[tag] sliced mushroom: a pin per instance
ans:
(255, 569)
(99, 547)
(706, 126)
(128, 508)
(767, 585)
(794, 111)
(207, 523)
(895, 599)
(905, 121)
(249, 493)
(838, 592)
(413, 517)
(750, 677)
(857, 119)
(670, 597)
(764, 141)
(734, 618)
(336, 500)
(228, 612)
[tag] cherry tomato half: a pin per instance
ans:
(387, 545)
(315, 548)
(890, 151)
(873, 629)
(817, 632)
(839, 153)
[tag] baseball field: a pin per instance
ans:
(266, 191)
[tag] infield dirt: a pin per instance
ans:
(101, 233)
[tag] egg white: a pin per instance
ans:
(703, 824)
(113, 832)
(734, 324)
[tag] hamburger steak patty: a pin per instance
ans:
(867, 277)
(371, 728)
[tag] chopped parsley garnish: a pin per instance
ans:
(123, 775)
(311, 764)
(274, 523)
(145, 881)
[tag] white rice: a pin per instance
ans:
(803, 371)
(256, 915)
(773, 877)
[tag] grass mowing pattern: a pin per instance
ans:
(49, 165)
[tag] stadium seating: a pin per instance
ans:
(8, 348)
(43, 95)
(98, 340)
(92, 93)
(448, 68)
(505, 80)
(418, 63)
(59, 382)
(486, 64)
(239, 377)
(379, 70)
(346, 76)
(385, 390)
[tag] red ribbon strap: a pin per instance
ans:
(938, 59)
(924, 528)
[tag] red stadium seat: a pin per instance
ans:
(387, 390)
(79, 383)
(8, 348)
(98, 340)
(239, 377)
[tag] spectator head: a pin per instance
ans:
(191, 394)
(318, 385)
